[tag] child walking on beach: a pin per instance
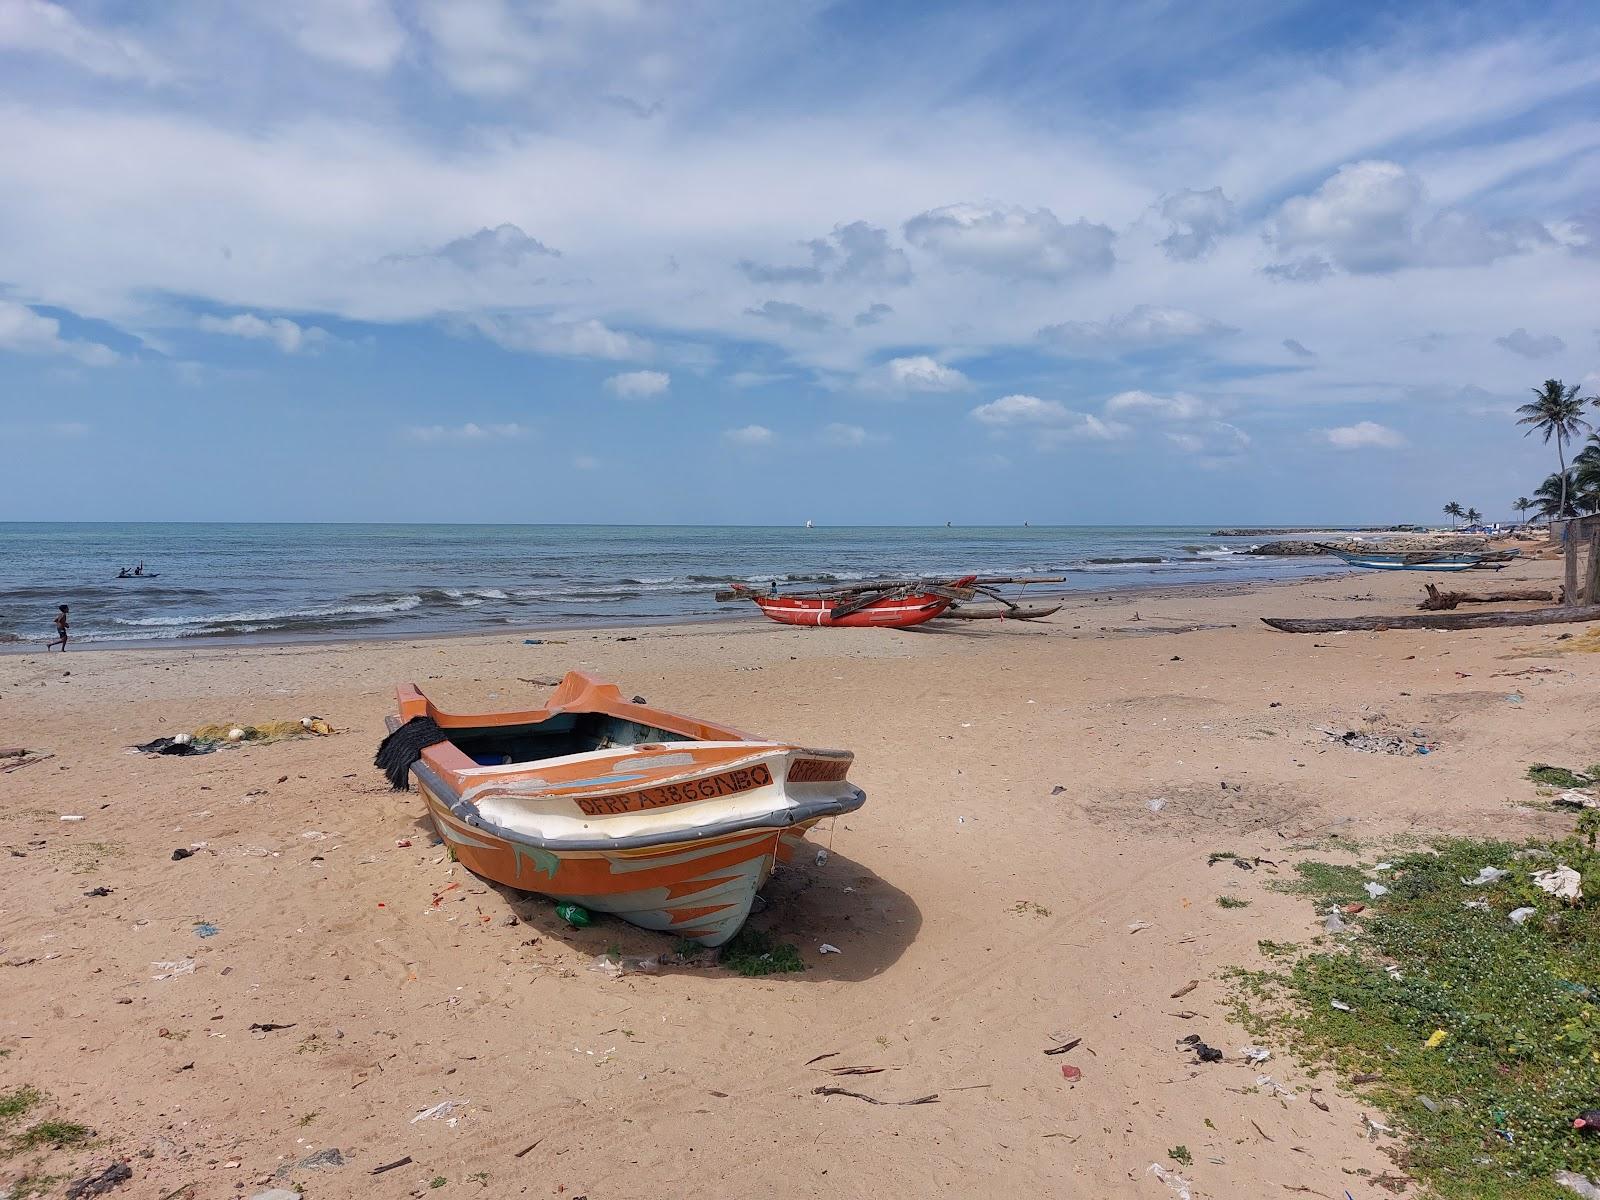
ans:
(61, 631)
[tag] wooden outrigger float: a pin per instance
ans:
(1001, 607)
(669, 822)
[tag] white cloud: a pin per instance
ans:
(27, 332)
(1180, 406)
(1363, 434)
(363, 35)
(858, 252)
(1023, 410)
(1298, 349)
(1141, 327)
(565, 339)
(586, 462)
(1197, 220)
(280, 331)
(750, 379)
(920, 373)
(1367, 218)
(1520, 341)
(1012, 241)
(639, 385)
(1050, 421)
(749, 436)
(40, 27)
(505, 245)
(795, 316)
(470, 432)
(68, 429)
(849, 437)
(873, 314)
(1212, 439)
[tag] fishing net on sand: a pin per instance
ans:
(401, 749)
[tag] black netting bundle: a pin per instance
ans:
(402, 748)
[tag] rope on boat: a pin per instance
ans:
(398, 752)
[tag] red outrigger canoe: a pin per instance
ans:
(894, 606)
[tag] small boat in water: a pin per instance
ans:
(1418, 560)
(667, 821)
(890, 604)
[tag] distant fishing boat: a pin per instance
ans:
(808, 523)
(890, 604)
(667, 821)
(897, 603)
(1417, 560)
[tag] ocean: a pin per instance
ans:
(279, 582)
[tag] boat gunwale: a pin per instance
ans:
(466, 811)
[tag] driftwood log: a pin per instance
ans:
(1444, 620)
(1442, 600)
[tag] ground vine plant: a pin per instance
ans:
(1483, 1109)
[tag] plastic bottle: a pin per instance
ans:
(575, 915)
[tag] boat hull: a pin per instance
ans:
(702, 890)
(886, 614)
(671, 823)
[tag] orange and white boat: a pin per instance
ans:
(669, 822)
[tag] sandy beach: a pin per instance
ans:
(1031, 866)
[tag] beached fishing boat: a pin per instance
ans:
(891, 604)
(667, 821)
(1415, 560)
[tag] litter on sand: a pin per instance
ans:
(1374, 890)
(1181, 1186)
(829, 948)
(617, 966)
(213, 737)
(100, 1183)
(1333, 923)
(440, 1110)
(1519, 915)
(1436, 1039)
(171, 970)
(1486, 875)
(1255, 1054)
(1340, 1005)
(1273, 1088)
(1588, 1188)
(1561, 882)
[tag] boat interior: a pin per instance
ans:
(564, 733)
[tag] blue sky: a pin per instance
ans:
(618, 260)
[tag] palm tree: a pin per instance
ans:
(1551, 499)
(1556, 412)
(1473, 516)
(1454, 510)
(1586, 476)
(1522, 504)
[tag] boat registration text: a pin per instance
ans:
(710, 788)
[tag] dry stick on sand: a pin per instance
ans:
(839, 1091)
(1446, 620)
(1442, 600)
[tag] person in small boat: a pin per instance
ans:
(61, 631)
(124, 573)
(139, 570)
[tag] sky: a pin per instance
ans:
(874, 262)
